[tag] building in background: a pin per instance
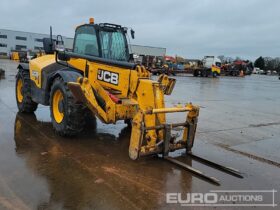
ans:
(23, 41)
(147, 50)
(151, 57)
(18, 40)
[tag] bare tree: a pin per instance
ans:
(222, 58)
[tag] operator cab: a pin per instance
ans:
(102, 40)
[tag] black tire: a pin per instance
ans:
(128, 122)
(91, 122)
(202, 73)
(26, 104)
(74, 114)
(215, 74)
(195, 73)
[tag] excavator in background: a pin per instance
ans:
(97, 79)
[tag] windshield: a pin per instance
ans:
(86, 41)
(113, 45)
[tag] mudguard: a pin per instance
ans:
(67, 74)
(42, 95)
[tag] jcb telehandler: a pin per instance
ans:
(96, 78)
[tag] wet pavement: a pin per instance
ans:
(238, 126)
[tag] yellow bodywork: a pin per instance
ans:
(216, 69)
(40, 54)
(141, 99)
(36, 67)
(134, 97)
(113, 91)
(102, 80)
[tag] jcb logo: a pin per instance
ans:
(107, 76)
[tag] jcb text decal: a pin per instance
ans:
(108, 76)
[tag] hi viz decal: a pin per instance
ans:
(108, 76)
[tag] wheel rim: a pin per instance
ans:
(57, 106)
(19, 91)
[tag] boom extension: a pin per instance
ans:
(150, 132)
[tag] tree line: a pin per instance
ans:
(268, 63)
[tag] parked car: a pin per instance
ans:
(257, 70)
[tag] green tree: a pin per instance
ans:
(259, 63)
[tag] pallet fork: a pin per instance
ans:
(168, 144)
(165, 156)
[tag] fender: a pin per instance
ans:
(42, 95)
(67, 74)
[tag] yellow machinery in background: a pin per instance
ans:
(25, 56)
(19, 55)
(40, 53)
(15, 55)
(97, 79)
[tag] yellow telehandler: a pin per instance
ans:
(97, 79)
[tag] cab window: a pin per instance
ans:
(86, 41)
(218, 64)
(113, 45)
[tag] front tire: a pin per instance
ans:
(23, 92)
(68, 117)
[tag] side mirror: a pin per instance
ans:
(132, 32)
(48, 46)
(61, 55)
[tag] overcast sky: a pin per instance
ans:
(189, 28)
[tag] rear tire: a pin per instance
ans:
(23, 92)
(202, 73)
(68, 117)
